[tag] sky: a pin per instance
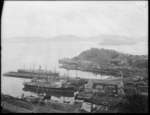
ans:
(80, 18)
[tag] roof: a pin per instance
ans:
(106, 82)
(109, 99)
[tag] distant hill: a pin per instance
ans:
(112, 57)
(117, 40)
(37, 39)
(64, 38)
(101, 39)
(143, 39)
(26, 39)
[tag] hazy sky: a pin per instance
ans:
(81, 18)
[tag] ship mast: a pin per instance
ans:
(67, 73)
(55, 69)
(39, 78)
(39, 70)
(33, 66)
(24, 66)
(76, 73)
(46, 68)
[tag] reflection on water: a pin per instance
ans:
(13, 86)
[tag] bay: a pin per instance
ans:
(32, 55)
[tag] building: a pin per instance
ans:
(105, 86)
(142, 89)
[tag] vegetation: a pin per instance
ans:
(112, 57)
(134, 103)
(81, 82)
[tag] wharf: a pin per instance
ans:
(93, 70)
(56, 107)
(16, 105)
(104, 70)
(105, 100)
(14, 108)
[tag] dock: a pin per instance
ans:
(14, 108)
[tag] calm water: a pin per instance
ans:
(31, 55)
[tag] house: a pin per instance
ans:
(104, 86)
(136, 78)
(142, 88)
(86, 106)
(89, 86)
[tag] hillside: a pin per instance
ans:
(65, 38)
(100, 39)
(25, 39)
(113, 58)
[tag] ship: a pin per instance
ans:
(34, 73)
(50, 83)
(54, 93)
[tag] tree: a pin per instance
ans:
(134, 103)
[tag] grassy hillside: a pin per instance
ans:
(112, 57)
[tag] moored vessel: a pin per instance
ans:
(34, 73)
(50, 84)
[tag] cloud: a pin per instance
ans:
(78, 18)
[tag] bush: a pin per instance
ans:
(81, 82)
(42, 103)
(134, 104)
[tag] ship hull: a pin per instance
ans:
(25, 75)
(57, 94)
(62, 89)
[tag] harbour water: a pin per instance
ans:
(31, 55)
